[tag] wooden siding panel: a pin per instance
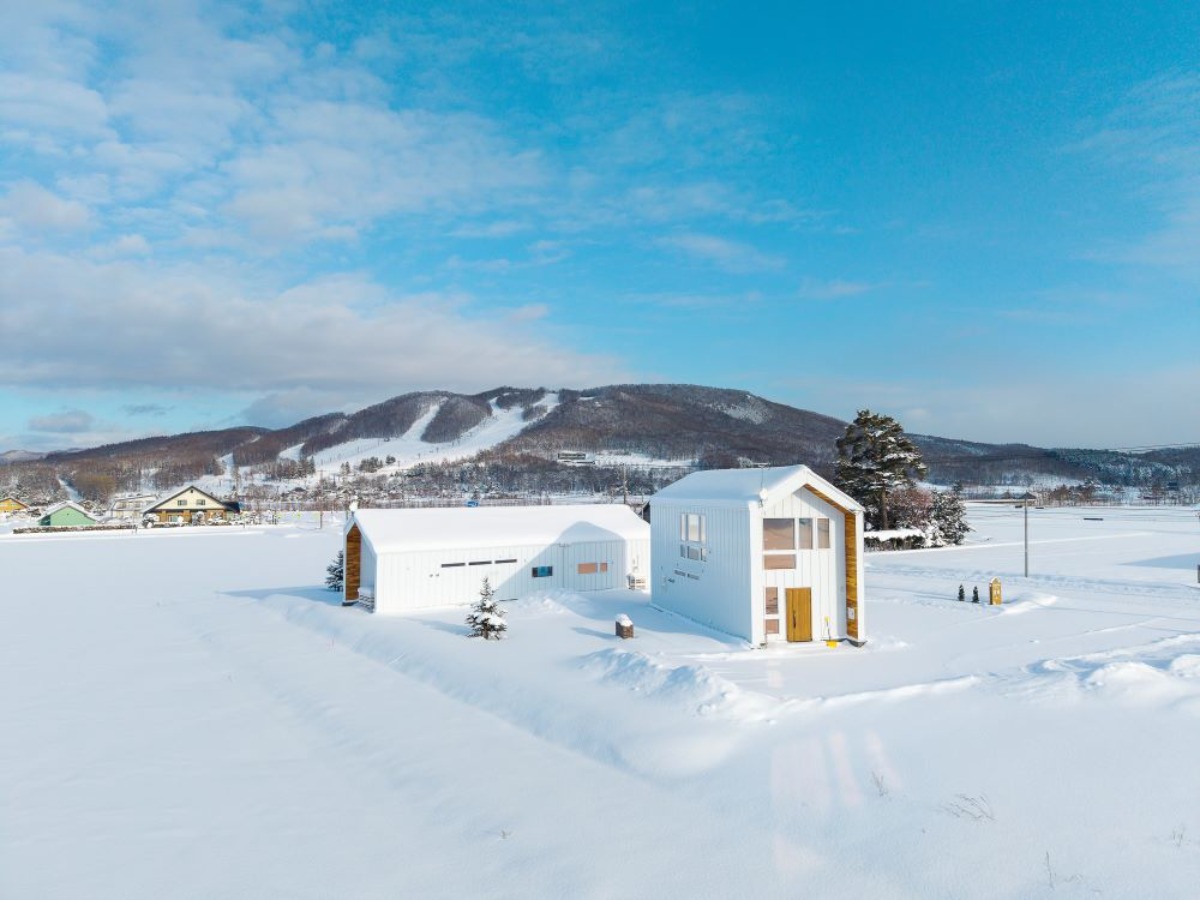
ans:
(352, 565)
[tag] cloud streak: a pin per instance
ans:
(185, 328)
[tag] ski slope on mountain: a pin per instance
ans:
(189, 714)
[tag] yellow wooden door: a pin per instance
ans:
(799, 614)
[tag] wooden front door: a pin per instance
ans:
(799, 614)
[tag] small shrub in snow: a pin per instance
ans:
(486, 618)
(975, 594)
(335, 572)
(962, 594)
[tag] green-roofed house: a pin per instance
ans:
(64, 514)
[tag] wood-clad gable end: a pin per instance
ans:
(352, 563)
(851, 553)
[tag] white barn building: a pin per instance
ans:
(410, 559)
(764, 554)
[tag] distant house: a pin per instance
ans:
(191, 506)
(12, 505)
(410, 559)
(65, 514)
(767, 555)
(131, 506)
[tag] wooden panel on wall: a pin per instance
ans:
(352, 564)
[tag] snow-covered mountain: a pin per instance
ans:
(534, 430)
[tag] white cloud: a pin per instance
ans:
(66, 321)
(733, 256)
(72, 421)
(338, 164)
(30, 206)
(811, 289)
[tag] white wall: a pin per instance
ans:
(715, 592)
(422, 579)
(822, 570)
(727, 591)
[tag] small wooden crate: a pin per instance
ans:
(624, 627)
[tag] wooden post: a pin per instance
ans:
(624, 627)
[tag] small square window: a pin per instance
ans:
(772, 626)
(779, 534)
(543, 571)
(779, 561)
(587, 569)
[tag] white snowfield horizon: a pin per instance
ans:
(190, 714)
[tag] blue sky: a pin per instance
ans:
(981, 218)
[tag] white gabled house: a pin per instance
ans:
(764, 554)
(410, 559)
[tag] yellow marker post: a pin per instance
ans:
(829, 641)
(994, 592)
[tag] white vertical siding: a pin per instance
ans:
(422, 579)
(715, 591)
(824, 571)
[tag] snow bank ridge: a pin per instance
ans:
(688, 685)
(1159, 674)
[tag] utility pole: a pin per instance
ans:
(1026, 537)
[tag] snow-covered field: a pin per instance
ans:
(188, 714)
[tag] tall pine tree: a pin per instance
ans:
(874, 459)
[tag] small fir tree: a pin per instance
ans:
(335, 576)
(962, 594)
(486, 618)
(975, 594)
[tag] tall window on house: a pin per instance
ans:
(806, 533)
(694, 536)
(771, 611)
(779, 543)
(822, 534)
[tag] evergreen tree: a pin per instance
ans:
(336, 572)
(948, 519)
(486, 617)
(874, 459)
(962, 594)
(975, 594)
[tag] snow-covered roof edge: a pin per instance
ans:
(749, 487)
(190, 487)
(491, 526)
(67, 504)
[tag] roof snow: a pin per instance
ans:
(498, 526)
(746, 486)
